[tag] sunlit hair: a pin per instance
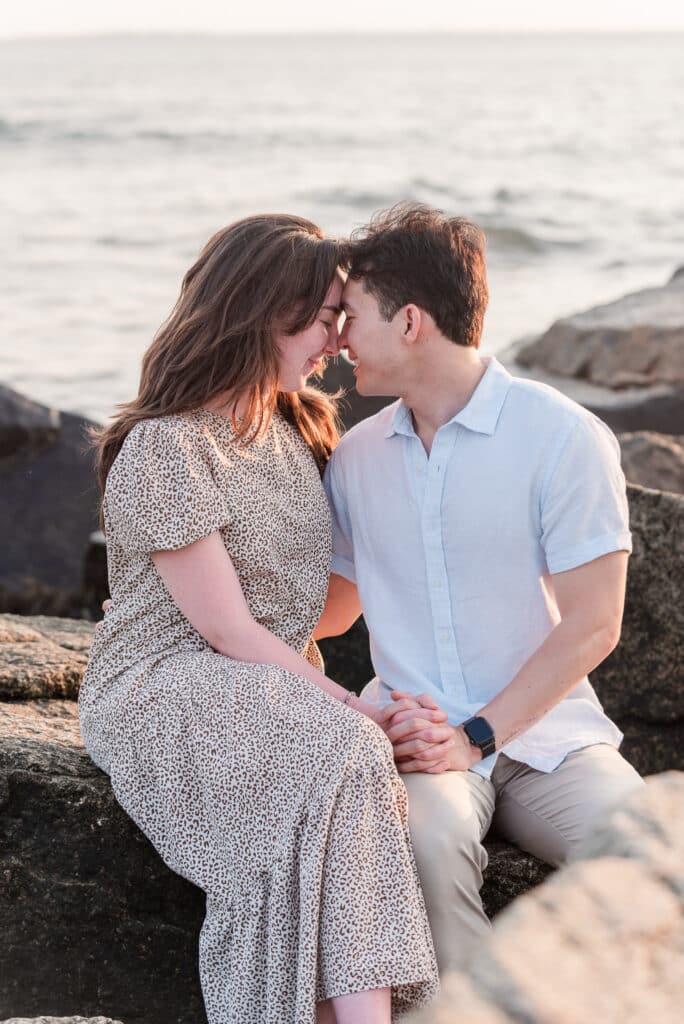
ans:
(416, 254)
(258, 277)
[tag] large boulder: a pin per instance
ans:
(92, 920)
(25, 424)
(600, 940)
(641, 684)
(623, 360)
(653, 460)
(42, 656)
(49, 507)
(80, 885)
(638, 340)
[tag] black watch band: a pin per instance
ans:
(480, 733)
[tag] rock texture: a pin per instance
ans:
(49, 506)
(25, 423)
(642, 683)
(601, 940)
(91, 917)
(60, 1020)
(653, 460)
(42, 656)
(637, 340)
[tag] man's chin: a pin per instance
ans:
(368, 389)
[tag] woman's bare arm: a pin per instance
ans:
(342, 608)
(202, 581)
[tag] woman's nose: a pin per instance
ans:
(333, 346)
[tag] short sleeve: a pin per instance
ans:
(584, 511)
(161, 494)
(343, 548)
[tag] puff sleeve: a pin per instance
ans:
(161, 493)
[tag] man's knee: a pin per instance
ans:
(445, 822)
(606, 780)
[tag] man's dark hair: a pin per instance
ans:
(416, 254)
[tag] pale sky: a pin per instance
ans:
(69, 17)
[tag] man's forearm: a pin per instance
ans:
(559, 664)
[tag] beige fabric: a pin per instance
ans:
(281, 802)
(546, 814)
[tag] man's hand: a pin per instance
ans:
(422, 738)
(422, 746)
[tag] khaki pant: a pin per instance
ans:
(546, 814)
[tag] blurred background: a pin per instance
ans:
(127, 137)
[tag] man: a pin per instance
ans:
(481, 522)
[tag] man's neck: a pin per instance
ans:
(441, 390)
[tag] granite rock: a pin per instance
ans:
(638, 340)
(91, 916)
(48, 511)
(60, 1020)
(25, 424)
(42, 656)
(653, 460)
(644, 677)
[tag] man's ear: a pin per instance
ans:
(411, 323)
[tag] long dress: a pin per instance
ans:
(279, 801)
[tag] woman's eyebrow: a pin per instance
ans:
(334, 309)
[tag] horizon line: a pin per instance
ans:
(340, 33)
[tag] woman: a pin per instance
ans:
(255, 776)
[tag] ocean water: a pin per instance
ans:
(119, 156)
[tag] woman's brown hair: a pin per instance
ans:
(254, 277)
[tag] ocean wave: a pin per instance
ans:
(348, 197)
(509, 236)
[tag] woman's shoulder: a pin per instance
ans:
(155, 445)
(170, 429)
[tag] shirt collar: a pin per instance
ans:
(482, 412)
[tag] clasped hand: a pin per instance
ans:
(422, 738)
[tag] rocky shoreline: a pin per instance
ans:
(94, 922)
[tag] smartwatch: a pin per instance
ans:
(480, 733)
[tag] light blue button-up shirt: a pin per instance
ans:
(454, 554)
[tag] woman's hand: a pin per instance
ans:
(105, 606)
(407, 707)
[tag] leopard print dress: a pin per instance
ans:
(279, 801)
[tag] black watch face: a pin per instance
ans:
(479, 731)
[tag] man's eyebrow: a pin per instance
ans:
(334, 309)
(347, 307)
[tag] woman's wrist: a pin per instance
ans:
(358, 704)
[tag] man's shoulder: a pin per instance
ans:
(543, 410)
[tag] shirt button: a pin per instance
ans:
(444, 636)
(438, 584)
